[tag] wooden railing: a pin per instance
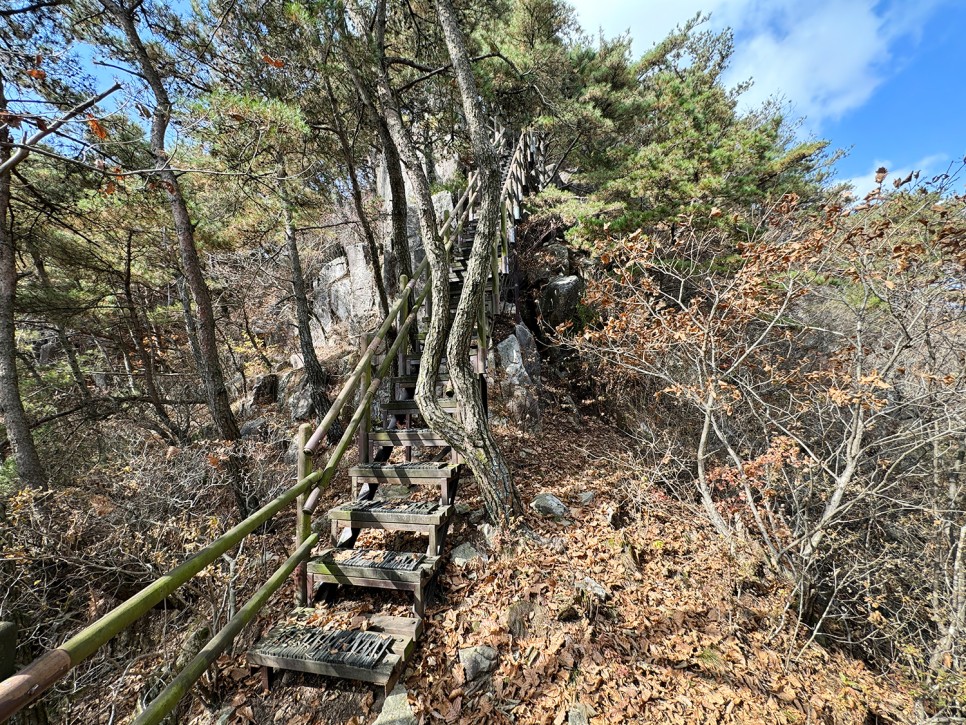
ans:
(30, 683)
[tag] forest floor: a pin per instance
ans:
(683, 629)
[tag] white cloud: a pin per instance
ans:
(826, 57)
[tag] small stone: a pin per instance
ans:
(578, 715)
(518, 618)
(255, 429)
(489, 532)
(478, 661)
(464, 554)
(593, 588)
(586, 497)
(477, 516)
(463, 508)
(396, 709)
(549, 505)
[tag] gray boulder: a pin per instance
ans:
(554, 259)
(530, 356)
(549, 505)
(265, 389)
(558, 303)
(478, 661)
(396, 709)
(464, 554)
(519, 391)
(300, 403)
(255, 429)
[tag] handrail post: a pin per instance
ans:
(8, 649)
(403, 314)
(364, 382)
(303, 521)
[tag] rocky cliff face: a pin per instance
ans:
(345, 290)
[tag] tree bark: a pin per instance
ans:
(472, 438)
(173, 433)
(69, 351)
(401, 253)
(211, 371)
(14, 416)
(482, 453)
(315, 374)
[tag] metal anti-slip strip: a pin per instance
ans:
(337, 647)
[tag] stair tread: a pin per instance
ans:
(410, 405)
(296, 646)
(429, 513)
(423, 469)
(403, 436)
(369, 567)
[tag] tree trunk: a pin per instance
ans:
(481, 451)
(315, 374)
(400, 230)
(357, 200)
(210, 370)
(65, 343)
(472, 438)
(173, 434)
(14, 416)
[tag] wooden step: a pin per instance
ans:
(421, 473)
(289, 646)
(431, 519)
(409, 407)
(407, 437)
(409, 381)
(343, 566)
(435, 473)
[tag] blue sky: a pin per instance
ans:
(883, 80)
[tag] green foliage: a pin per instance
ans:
(662, 137)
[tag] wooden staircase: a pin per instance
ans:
(297, 643)
(377, 648)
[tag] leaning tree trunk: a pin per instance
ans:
(315, 374)
(14, 416)
(212, 375)
(471, 440)
(482, 453)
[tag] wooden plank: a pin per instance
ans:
(391, 518)
(381, 674)
(408, 436)
(329, 570)
(403, 472)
